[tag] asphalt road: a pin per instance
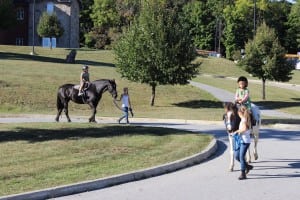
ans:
(276, 174)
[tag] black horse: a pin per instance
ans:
(92, 96)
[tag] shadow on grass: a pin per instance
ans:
(41, 135)
(278, 104)
(19, 56)
(93, 63)
(199, 104)
(280, 121)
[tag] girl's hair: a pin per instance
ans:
(246, 114)
(243, 78)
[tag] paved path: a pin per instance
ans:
(226, 96)
(289, 86)
(276, 174)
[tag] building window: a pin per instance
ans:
(20, 13)
(50, 7)
(46, 42)
(19, 41)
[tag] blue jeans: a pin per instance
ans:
(240, 155)
(125, 114)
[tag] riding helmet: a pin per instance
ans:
(242, 78)
(85, 67)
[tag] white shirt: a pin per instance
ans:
(125, 101)
(245, 135)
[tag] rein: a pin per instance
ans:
(115, 103)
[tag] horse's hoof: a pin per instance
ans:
(255, 156)
(231, 169)
(92, 121)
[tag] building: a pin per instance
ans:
(28, 13)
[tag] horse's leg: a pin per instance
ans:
(94, 111)
(66, 110)
(231, 166)
(256, 137)
(248, 155)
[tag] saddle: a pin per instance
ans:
(85, 86)
(84, 89)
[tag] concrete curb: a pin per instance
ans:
(118, 179)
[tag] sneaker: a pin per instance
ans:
(80, 93)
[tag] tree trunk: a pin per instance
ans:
(153, 95)
(264, 89)
(51, 43)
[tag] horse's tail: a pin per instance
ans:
(59, 103)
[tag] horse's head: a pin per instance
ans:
(231, 118)
(112, 88)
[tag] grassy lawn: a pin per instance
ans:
(41, 155)
(31, 83)
(276, 98)
(224, 68)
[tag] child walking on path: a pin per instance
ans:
(245, 140)
(126, 105)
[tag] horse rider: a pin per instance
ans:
(84, 78)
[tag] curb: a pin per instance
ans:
(118, 179)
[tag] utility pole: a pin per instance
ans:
(254, 17)
(33, 27)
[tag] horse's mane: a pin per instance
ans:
(103, 79)
(231, 107)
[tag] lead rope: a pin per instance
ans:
(115, 103)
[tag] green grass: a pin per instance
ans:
(42, 155)
(31, 83)
(276, 98)
(225, 68)
(39, 155)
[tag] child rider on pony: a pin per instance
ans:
(242, 94)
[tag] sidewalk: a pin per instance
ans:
(289, 86)
(226, 96)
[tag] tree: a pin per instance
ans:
(265, 57)
(49, 26)
(7, 14)
(105, 13)
(86, 23)
(293, 23)
(201, 24)
(237, 29)
(276, 16)
(156, 49)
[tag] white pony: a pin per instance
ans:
(232, 120)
